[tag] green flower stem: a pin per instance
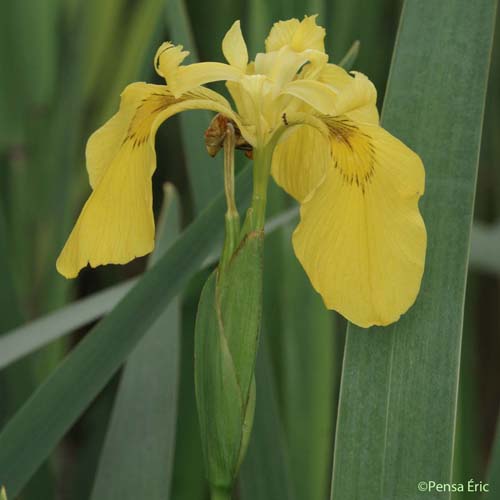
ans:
(232, 216)
(261, 172)
(219, 493)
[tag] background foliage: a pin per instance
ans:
(63, 64)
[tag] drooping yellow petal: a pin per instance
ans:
(104, 143)
(140, 104)
(300, 161)
(116, 224)
(234, 47)
(361, 238)
(299, 35)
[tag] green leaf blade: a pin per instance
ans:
(399, 386)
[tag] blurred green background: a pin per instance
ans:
(63, 64)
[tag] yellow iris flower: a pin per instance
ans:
(361, 238)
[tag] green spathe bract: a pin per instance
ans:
(226, 341)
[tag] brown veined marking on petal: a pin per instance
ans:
(140, 126)
(353, 153)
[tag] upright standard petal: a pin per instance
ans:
(299, 35)
(280, 66)
(352, 96)
(116, 224)
(322, 97)
(234, 47)
(361, 238)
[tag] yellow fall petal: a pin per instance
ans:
(300, 161)
(234, 47)
(104, 143)
(116, 224)
(299, 35)
(361, 238)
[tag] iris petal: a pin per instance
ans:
(300, 161)
(355, 98)
(234, 47)
(361, 238)
(299, 35)
(116, 224)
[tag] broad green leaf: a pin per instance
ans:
(265, 473)
(47, 415)
(3, 494)
(145, 409)
(310, 377)
(398, 397)
(467, 449)
(205, 173)
(27, 338)
(19, 380)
